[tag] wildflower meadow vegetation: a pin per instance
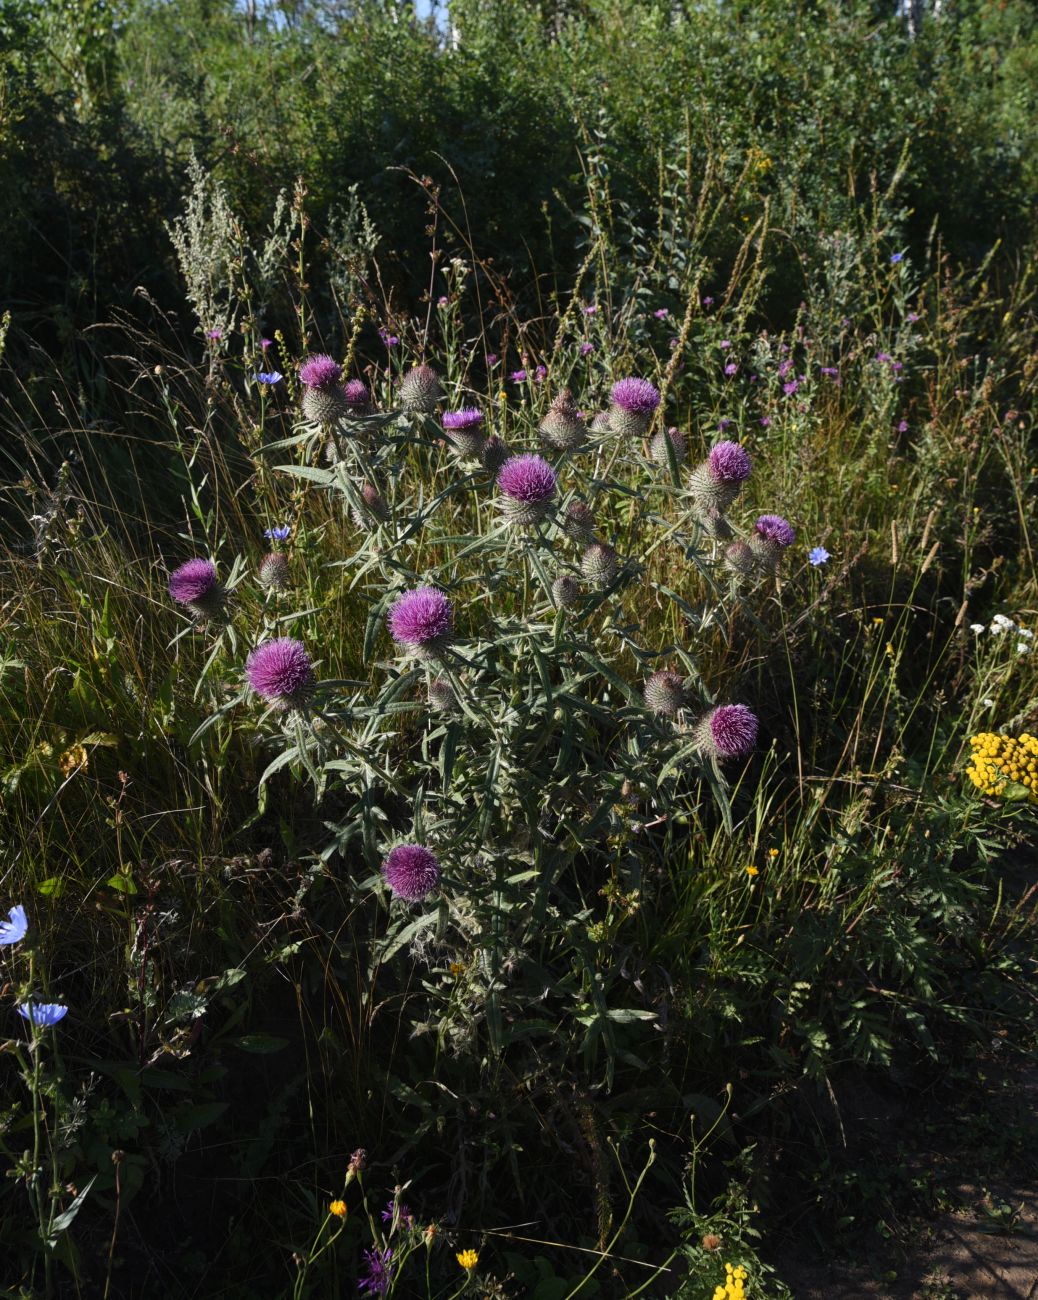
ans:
(517, 657)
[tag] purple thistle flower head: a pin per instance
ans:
(192, 582)
(790, 388)
(378, 1274)
(830, 372)
(661, 313)
(731, 369)
(765, 422)
(398, 1212)
(708, 301)
(281, 671)
(266, 343)
(42, 1015)
(15, 928)
(469, 417)
(729, 462)
(356, 394)
(902, 426)
(423, 621)
(636, 396)
(320, 371)
(214, 334)
(411, 872)
(729, 731)
(528, 483)
(517, 376)
(586, 349)
(775, 529)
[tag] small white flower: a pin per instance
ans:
(1025, 632)
(1000, 623)
(1022, 648)
(977, 628)
(988, 704)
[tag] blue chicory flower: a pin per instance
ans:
(41, 1015)
(818, 555)
(279, 534)
(268, 377)
(15, 928)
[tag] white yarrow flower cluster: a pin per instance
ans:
(1002, 624)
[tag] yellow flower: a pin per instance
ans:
(773, 853)
(338, 1209)
(1000, 761)
(74, 759)
(890, 647)
(468, 1259)
(752, 871)
(457, 968)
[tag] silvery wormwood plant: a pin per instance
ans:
(498, 759)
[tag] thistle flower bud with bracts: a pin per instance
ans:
(665, 693)
(771, 536)
(739, 558)
(358, 399)
(565, 591)
(579, 523)
(442, 698)
(716, 525)
(600, 423)
(464, 430)
(324, 401)
(273, 571)
(718, 480)
(599, 564)
(493, 454)
(194, 585)
(562, 428)
(281, 672)
(420, 391)
(422, 622)
(658, 447)
(411, 871)
(527, 486)
(631, 406)
(729, 731)
(373, 507)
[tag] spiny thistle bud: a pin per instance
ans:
(411, 872)
(420, 391)
(658, 447)
(665, 693)
(358, 399)
(194, 585)
(718, 480)
(579, 523)
(324, 401)
(528, 485)
(600, 423)
(422, 621)
(441, 695)
(562, 428)
(373, 507)
(464, 430)
(729, 731)
(565, 591)
(493, 454)
(771, 535)
(631, 406)
(281, 672)
(273, 571)
(599, 564)
(740, 558)
(716, 525)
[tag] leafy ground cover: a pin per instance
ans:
(530, 934)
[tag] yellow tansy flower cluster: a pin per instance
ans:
(734, 1284)
(468, 1259)
(998, 761)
